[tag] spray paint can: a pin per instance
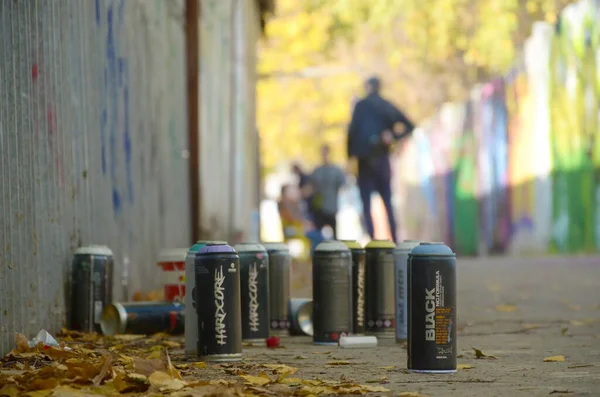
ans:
(332, 292)
(401, 287)
(301, 316)
(254, 283)
(358, 286)
(191, 316)
(143, 318)
(432, 309)
(91, 286)
(172, 264)
(218, 303)
(380, 288)
(279, 287)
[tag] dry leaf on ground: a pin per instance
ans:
(329, 352)
(480, 354)
(561, 392)
(584, 322)
(464, 366)
(301, 357)
(165, 382)
(506, 308)
(580, 366)
(411, 394)
(555, 359)
(281, 368)
(256, 380)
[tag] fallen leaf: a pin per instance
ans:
(464, 366)
(411, 394)
(329, 352)
(338, 363)
(128, 337)
(563, 331)
(199, 364)
(160, 336)
(583, 322)
(21, 343)
(374, 389)
(131, 383)
(383, 379)
(9, 391)
(147, 367)
(555, 359)
(281, 368)
(103, 371)
(460, 356)
(290, 381)
(42, 384)
(308, 390)
(165, 382)
(561, 392)
(155, 355)
(506, 308)
(66, 391)
(38, 393)
(255, 380)
(531, 326)
(388, 367)
(301, 357)
(480, 354)
(171, 344)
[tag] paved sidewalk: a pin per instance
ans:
(518, 310)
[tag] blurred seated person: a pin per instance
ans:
(290, 212)
(293, 221)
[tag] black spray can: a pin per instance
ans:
(380, 288)
(254, 283)
(218, 303)
(358, 286)
(332, 292)
(401, 287)
(143, 318)
(432, 309)
(91, 286)
(279, 287)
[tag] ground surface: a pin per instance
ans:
(518, 310)
(556, 303)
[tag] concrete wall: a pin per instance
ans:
(93, 141)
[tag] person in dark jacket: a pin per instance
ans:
(375, 125)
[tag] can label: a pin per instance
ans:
(332, 296)
(279, 290)
(219, 313)
(401, 297)
(380, 291)
(432, 315)
(191, 317)
(255, 295)
(358, 291)
(153, 318)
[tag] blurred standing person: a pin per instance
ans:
(375, 125)
(304, 187)
(326, 181)
(290, 213)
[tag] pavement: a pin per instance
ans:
(518, 310)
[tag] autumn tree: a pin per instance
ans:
(317, 53)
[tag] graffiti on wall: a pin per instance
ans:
(516, 168)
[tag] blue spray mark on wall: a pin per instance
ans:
(127, 146)
(97, 12)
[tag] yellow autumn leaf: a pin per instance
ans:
(281, 368)
(506, 308)
(584, 322)
(9, 391)
(290, 381)
(165, 382)
(155, 355)
(199, 364)
(464, 366)
(555, 359)
(128, 337)
(411, 394)
(255, 380)
(387, 367)
(38, 393)
(327, 352)
(374, 389)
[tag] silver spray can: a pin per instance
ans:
(380, 288)
(332, 292)
(191, 316)
(91, 286)
(279, 287)
(401, 287)
(301, 316)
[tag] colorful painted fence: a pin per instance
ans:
(516, 168)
